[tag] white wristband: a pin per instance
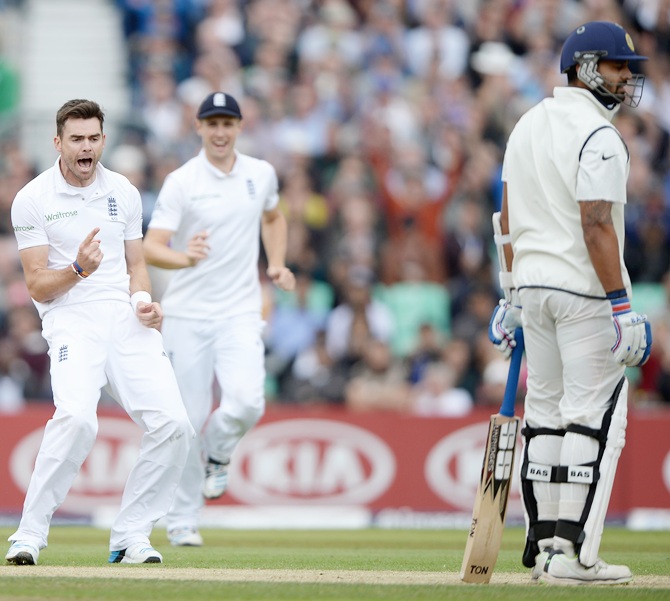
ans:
(141, 296)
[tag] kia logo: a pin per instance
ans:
(103, 475)
(453, 468)
(311, 461)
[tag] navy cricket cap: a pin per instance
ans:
(609, 40)
(219, 104)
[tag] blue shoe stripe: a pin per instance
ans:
(116, 556)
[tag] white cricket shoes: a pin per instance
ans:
(216, 479)
(561, 569)
(136, 553)
(22, 553)
(184, 537)
(540, 561)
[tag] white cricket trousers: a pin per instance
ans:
(571, 370)
(572, 376)
(90, 345)
(232, 352)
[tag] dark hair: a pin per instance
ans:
(78, 109)
(572, 74)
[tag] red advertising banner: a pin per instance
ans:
(334, 458)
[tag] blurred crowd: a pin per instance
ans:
(386, 121)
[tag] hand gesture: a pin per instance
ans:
(89, 255)
(282, 277)
(149, 314)
(197, 248)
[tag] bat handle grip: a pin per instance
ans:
(509, 398)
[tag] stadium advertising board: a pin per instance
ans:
(329, 457)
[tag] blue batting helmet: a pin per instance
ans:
(608, 40)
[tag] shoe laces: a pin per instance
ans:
(215, 468)
(599, 565)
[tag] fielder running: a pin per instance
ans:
(206, 225)
(79, 232)
(565, 171)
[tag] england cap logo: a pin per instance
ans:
(219, 104)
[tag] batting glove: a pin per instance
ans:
(633, 332)
(505, 320)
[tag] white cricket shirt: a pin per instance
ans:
(198, 197)
(563, 150)
(50, 212)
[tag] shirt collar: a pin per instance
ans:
(586, 98)
(215, 170)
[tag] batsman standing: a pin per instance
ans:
(564, 172)
(79, 232)
(206, 225)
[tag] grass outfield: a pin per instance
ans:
(328, 565)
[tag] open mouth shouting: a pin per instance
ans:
(79, 171)
(85, 163)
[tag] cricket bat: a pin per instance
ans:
(490, 508)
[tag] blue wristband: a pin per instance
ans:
(79, 271)
(616, 294)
